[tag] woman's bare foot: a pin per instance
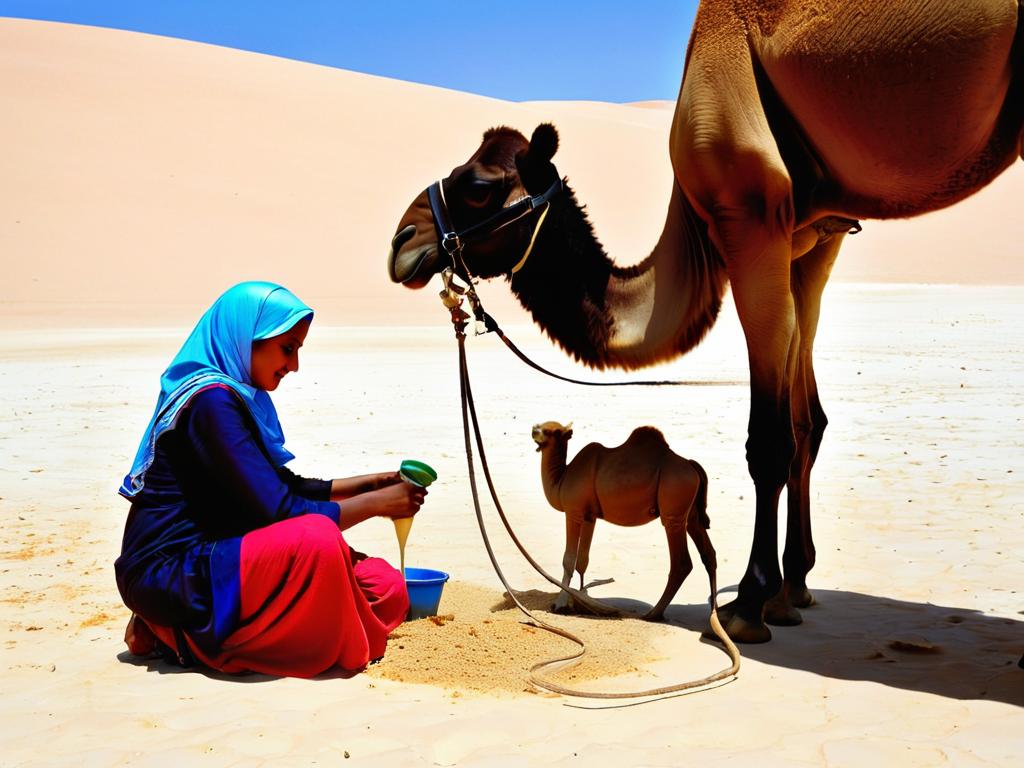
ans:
(139, 637)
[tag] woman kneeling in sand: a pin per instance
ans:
(229, 559)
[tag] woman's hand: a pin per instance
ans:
(384, 479)
(346, 487)
(398, 500)
(393, 501)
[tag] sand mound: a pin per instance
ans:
(479, 643)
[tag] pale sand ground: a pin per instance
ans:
(918, 503)
(145, 175)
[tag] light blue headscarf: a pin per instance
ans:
(218, 351)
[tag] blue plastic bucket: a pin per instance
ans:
(425, 586)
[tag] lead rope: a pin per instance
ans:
(451, 297)
(469, 411)
(491, 326)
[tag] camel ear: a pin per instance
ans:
(544, 142)
(534, 164)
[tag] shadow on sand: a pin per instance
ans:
(953, 652)
(958, 653)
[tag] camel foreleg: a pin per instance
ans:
(573, 526)
(727, 160)
(765, 306)
(583, 551)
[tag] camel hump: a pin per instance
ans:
(647, 436)
(632, 469)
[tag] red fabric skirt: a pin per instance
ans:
(305, 607)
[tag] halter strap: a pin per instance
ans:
(533, 239)
(452, 240)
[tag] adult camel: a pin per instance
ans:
(795, 119)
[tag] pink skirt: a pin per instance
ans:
(305, 607)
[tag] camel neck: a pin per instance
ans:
(552, 470)
(625, 317)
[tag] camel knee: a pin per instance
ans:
(770, 454)
(771, 444)
(808, 435)
(816, 436)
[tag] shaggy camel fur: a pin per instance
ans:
(631, 484)
(795, 119)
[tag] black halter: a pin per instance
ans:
(452, 240)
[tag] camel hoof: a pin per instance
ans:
(562, 609)
(743, 631)
(801, 597)
(780, 612)
(740, 628)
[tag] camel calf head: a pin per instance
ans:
(548, 431)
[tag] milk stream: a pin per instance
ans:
(402, 527)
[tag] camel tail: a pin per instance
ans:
(701, 502)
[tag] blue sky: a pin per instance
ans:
(516, 50)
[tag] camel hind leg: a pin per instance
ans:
(680, 486)
(808, 278)
(680, 566)
(697, 525)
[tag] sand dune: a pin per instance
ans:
(168, 168)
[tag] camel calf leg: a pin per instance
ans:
(583, 551)
(702, 541)
(680, 566)
(573, 524)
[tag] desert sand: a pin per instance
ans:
(150, 174)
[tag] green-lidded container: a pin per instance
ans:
(417, 472)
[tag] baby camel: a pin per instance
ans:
(628, 485)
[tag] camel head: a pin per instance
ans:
(505, 169)
(551, 432)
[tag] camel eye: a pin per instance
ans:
(478, 193)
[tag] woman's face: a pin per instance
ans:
(274, 358)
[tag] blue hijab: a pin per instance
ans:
(218, 352)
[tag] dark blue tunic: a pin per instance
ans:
(211, 482)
